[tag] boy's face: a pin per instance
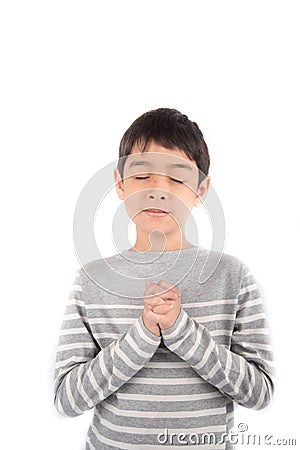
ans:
(162, 179)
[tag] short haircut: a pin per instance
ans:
(171, 129)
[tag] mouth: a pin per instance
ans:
(155, 212)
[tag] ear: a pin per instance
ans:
(202, 191)
(119, 184)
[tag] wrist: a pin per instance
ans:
(176, 328)
(151, 326)
(172, 323)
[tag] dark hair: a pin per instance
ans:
(171, 129)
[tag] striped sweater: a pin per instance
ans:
(177, 389)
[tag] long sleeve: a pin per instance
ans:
(85, 374)
(245, 371)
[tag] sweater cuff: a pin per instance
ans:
(192, 342)
(150, 339)
(178, 329)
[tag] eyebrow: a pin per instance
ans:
(147, 163)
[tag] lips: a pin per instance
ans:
(155, 212)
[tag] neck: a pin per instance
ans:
(159, 242)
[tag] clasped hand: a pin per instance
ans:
(161, 306)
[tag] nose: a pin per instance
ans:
(157, 191)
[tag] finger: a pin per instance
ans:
(148, 307)
(150, 315)
(165, 304)
(169, 296)
(151, 288)
(154, 289)
(169, 286)
(163, 309)
(166, 284)
(154, 301)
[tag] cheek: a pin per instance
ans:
(131, 188)
(186, 196)
(133, 202)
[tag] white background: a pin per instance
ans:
(74, 75)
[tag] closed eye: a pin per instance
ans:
(173, 179)
(177, 181)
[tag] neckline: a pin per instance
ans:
(167, 251)
(134, 254)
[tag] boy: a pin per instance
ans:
(161, 357)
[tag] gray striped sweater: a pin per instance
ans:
(177, 389)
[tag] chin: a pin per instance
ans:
(165, 229)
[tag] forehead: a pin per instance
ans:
(153, 147)
(158, 157)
